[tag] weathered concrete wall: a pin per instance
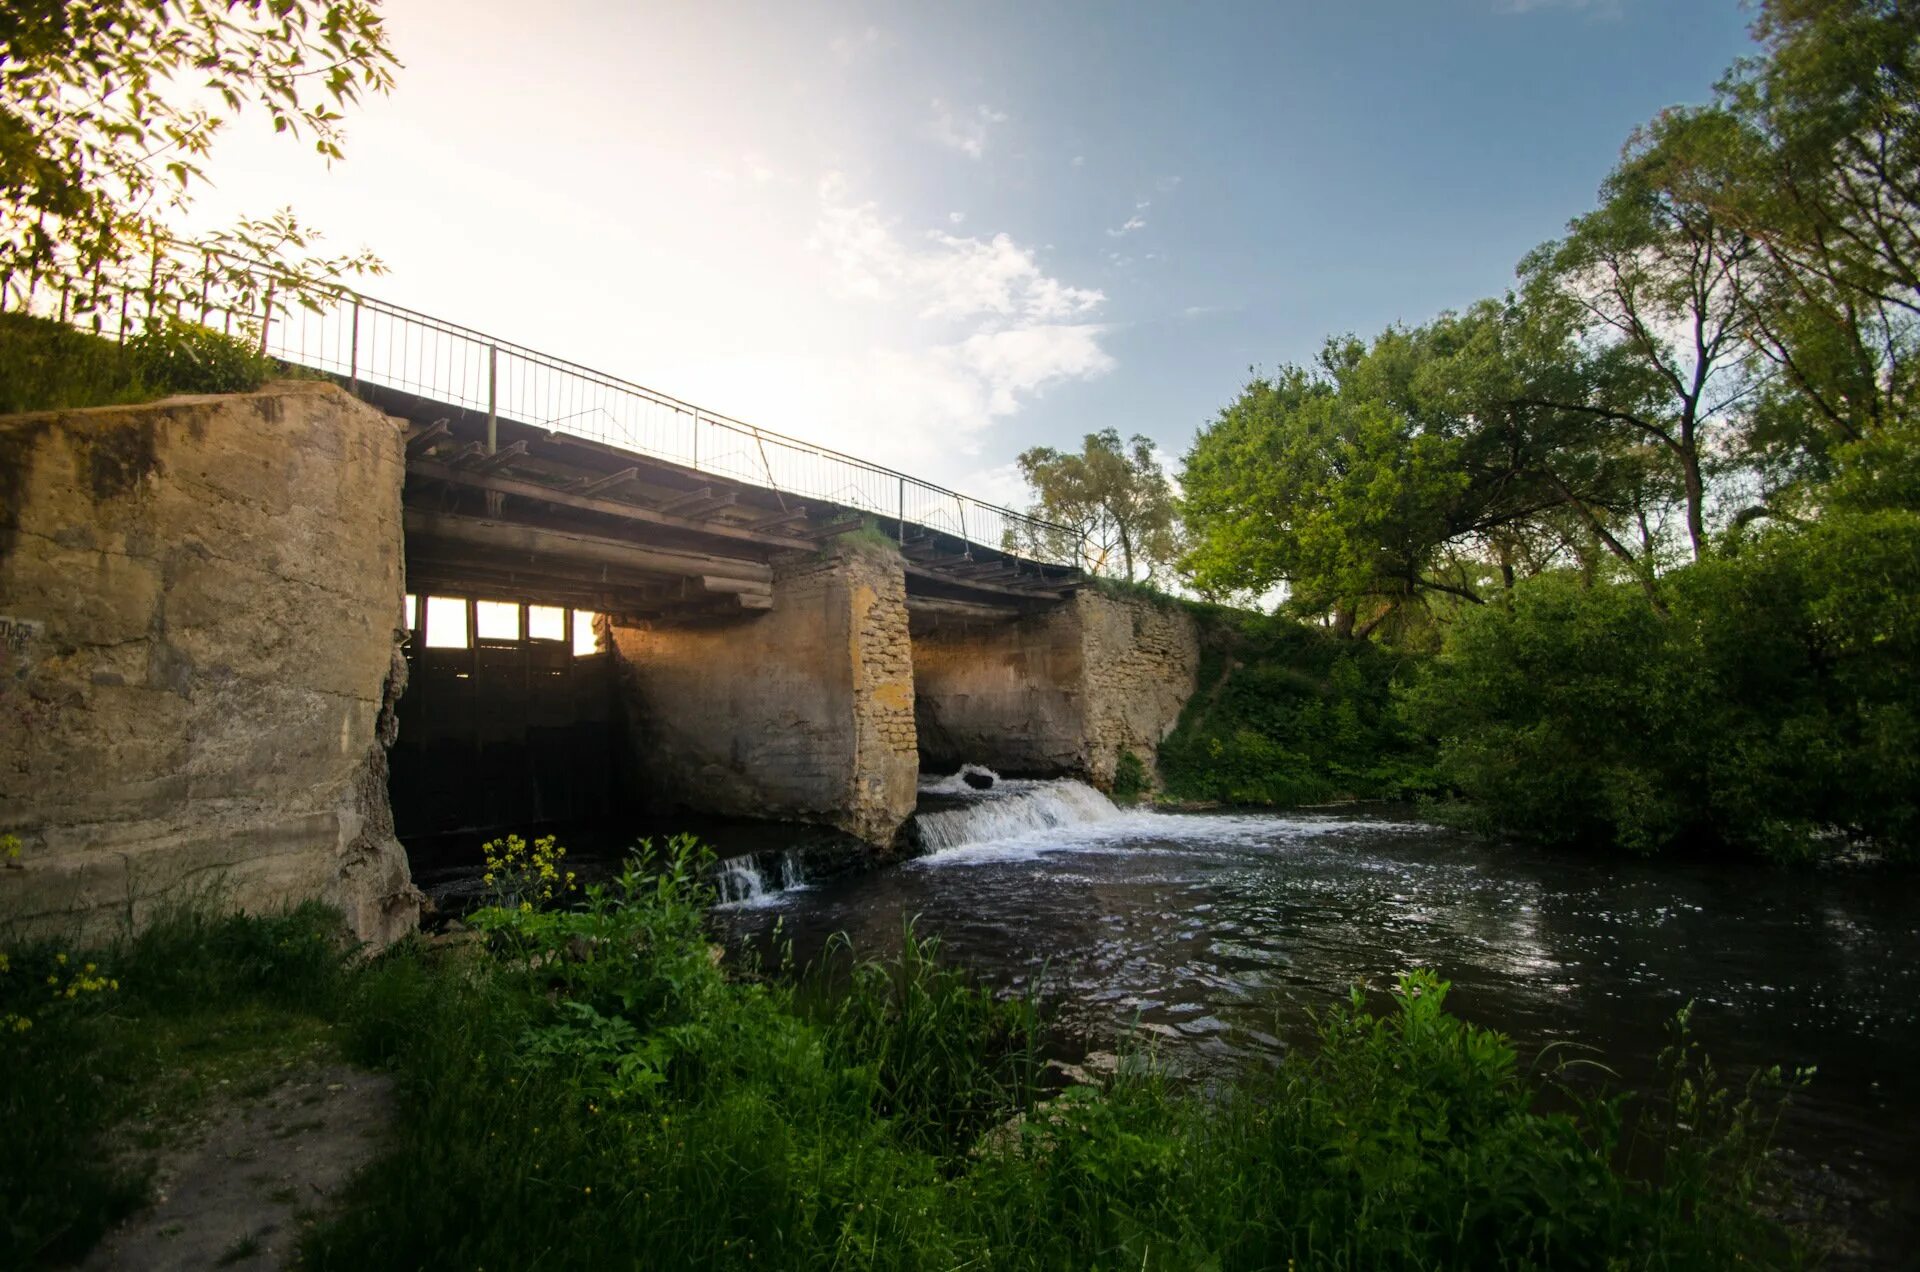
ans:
(201, 597)
(1142, 664)
(1009, 693)
(803, 711)
(1065, 690)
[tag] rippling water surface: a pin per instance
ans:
(1215, 934)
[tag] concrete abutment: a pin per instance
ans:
(803, 712)
(200, 601)
(1064, 690)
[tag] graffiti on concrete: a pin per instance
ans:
(16, 633)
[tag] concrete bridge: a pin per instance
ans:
(220, 613)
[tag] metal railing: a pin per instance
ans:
(365, 341)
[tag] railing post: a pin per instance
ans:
(493, 396)
(901, 534)
(353, 355)
(266, 318)
(696, 438)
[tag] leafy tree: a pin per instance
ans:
(1812, 153)
(1113, 498)
(1416, 470)
(1651, 283)
(108, 108)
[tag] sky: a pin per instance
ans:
(933, 235)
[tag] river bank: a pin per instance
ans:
(591, 1086)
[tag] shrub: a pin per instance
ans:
(46, 365)
(1129, 778)
(1288, 714)
(1774, 708)
(175, 356)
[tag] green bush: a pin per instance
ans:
(46, 365)
(1773, 708)
(1129, 778)
(1289, 714)
(175, 356)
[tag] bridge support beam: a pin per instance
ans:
(801, 712)
(1062, 691)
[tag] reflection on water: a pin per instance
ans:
(1216, 935)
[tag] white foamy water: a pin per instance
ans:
(1014, 810)
(743, 884)
(1016, 819)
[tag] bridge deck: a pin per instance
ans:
(562, 519)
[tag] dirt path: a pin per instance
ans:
(235, 1193)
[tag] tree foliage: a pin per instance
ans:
(1113, 499)
(1655, 508)
(1773, 709)
(109, 109)
(1395, 481)
(1682, 362)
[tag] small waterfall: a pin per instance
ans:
(751, 879)
(1009, 810)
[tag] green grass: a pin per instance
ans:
(46, 365)
(589, 1088)
(1286, 714)
(163, 1020)
(867, 539)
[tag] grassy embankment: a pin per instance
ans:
(589, 1088)
(1284, 714)
(46, 366)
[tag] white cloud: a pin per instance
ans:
(1134, 222)
(966, 133)
(981, 326)
(1022, 360)
(955, 218)
(944, 276)
(1078, 161)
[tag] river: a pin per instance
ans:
(1213, 936)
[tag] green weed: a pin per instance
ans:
(591, 1087)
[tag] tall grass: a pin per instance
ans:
(46, 365)
(137, 1032)
(596, 1092)
(590, 1088)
